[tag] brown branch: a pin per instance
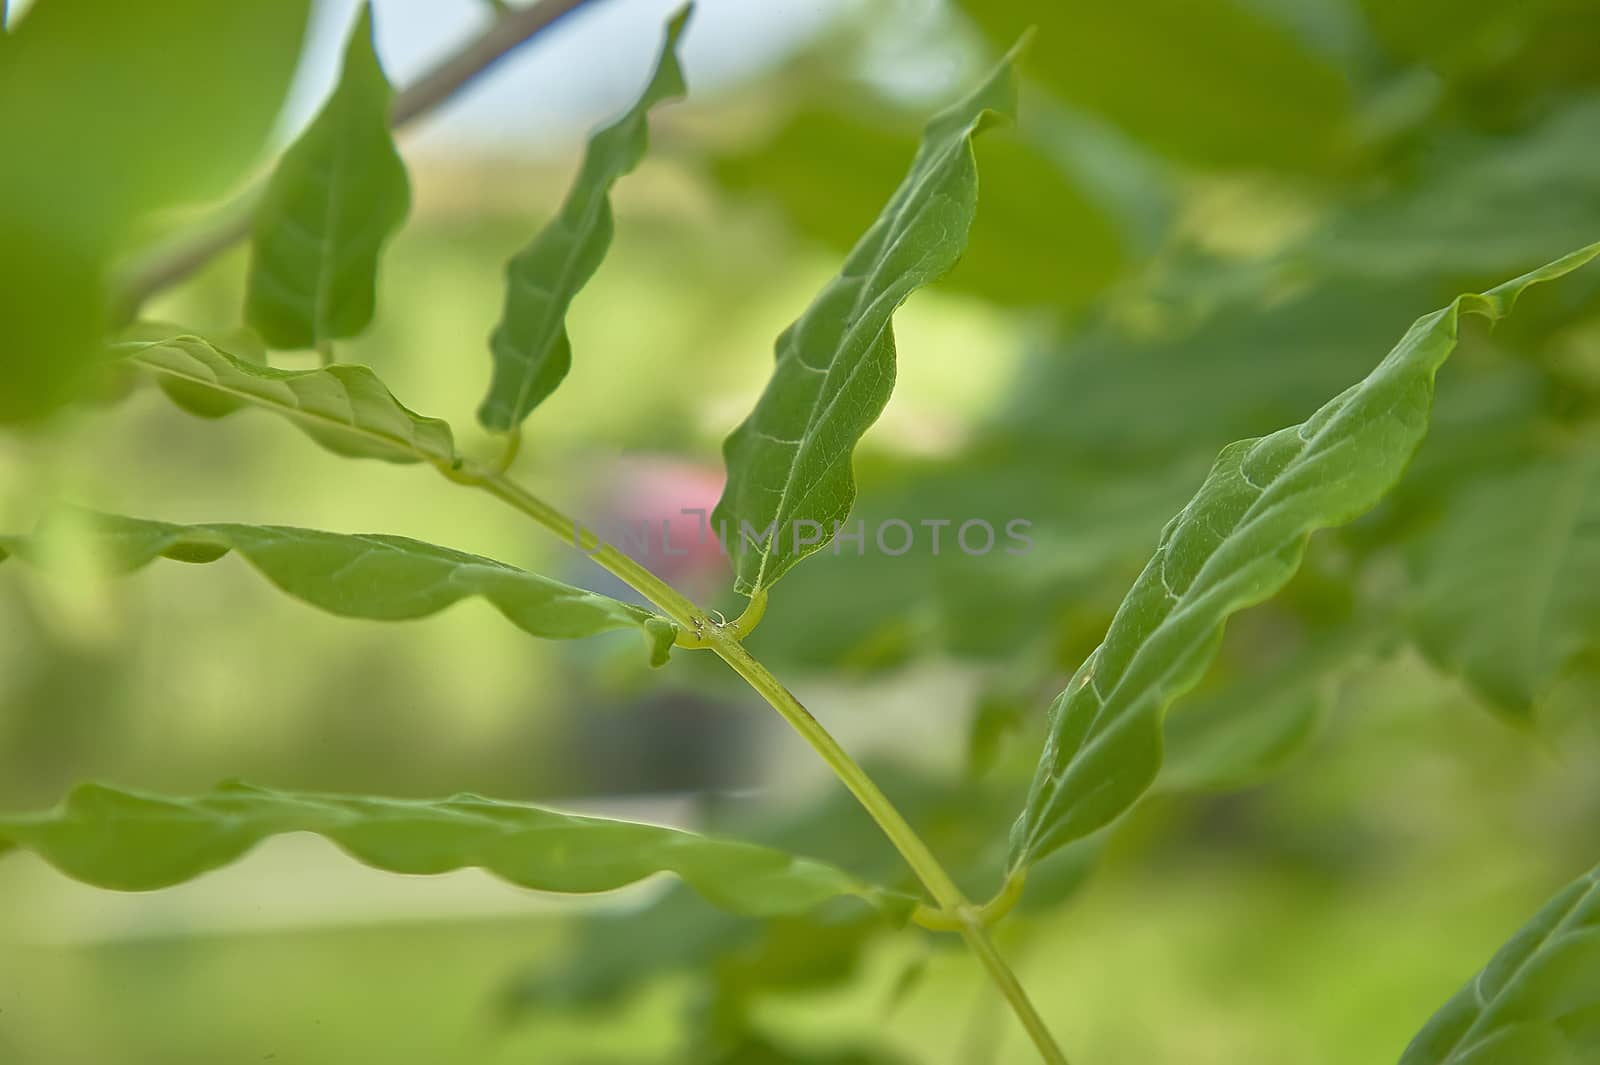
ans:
(508, 33)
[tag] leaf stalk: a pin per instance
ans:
(698, 630)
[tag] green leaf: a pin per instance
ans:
(1537, 1002)
(1509, 580)
(789, 463)
(1495, 61)
(202, 401)
(755, 1049)
(134, 841)
(1246, 728)
(1208, 370)
(1221, 84)
(1236, 543)
(1000, 712)
(615, 954)
(827, 168)
(1474, 205)
(373, 576)
(336, 196)
(344, 408)
(532, 352)
(119, 121)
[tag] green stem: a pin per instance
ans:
(977, 938)
(690, 618)
(905, 839)
(955, 912)
(900, 833)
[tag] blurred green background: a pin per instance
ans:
(1211, 219)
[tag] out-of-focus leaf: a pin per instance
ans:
(910, 977)
(1104, 436)
(740, 959)
(135, 841)
(1495, 58)
(1224, 743)
(1058, 877)
(614, 954)
(532, 352)
(789, 462)
(1090, 530)
(1249, 726)
(1101, 439)
(1476, 205)
(1235, 544)
(999, 713)
(1219, 84)
(115, 110)
(828, 170)
(344, 408)
(373, 576)
(758, 1050)
(1537, 1002)
(1202, 375)
(1509, 580)
(333, 201)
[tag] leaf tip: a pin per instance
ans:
(678, 20)
(362, 31)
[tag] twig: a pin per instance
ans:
(508, 32)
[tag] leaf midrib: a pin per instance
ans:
(296, 411)
(1250, 515)
(330, 215)
(808, 434)
(566, 293)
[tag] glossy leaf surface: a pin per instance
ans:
(135, 841)
(532, 352)
(1236, 543)
(377, 577)
(789, 463)
(334, 199)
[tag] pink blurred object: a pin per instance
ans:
(657, 508)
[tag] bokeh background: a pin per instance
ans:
(1210, 219)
